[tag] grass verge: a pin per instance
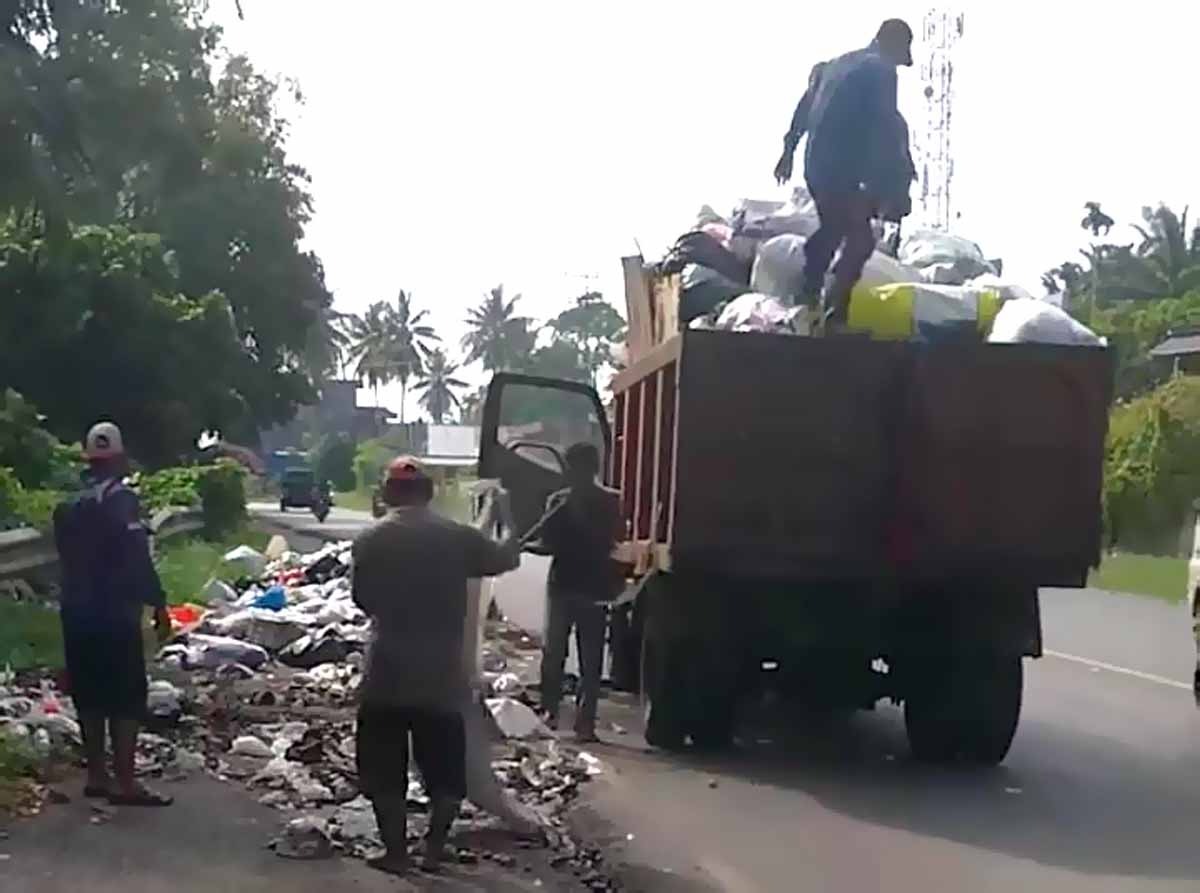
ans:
(184, 566)
(452, 499)
(30, 633)
(1152, 575)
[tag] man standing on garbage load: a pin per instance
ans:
(108, 577)
(410, 576)
(579, 529)
(857, 163)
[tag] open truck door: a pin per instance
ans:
(529, 422)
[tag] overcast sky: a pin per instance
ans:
(457, 145)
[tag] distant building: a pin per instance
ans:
(1181, 348)
(336, 412)
(451, 446)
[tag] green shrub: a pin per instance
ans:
(335, 462)
(369, 461)
(170, 487)
(25, 505)
(1152, 468)
(36, 507)
(10, 493)
(222, 490)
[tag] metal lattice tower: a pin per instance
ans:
(941, 30)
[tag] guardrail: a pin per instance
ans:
(26, 552)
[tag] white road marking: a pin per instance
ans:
(1097, 665)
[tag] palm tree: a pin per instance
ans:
(439, 385)
(496, 337)
(1167, 262)
(370, 350)
(391, 343)
(411, 343)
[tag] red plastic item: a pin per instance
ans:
(185, 616)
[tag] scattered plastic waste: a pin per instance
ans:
(164, 701)
(514, 719)
(304, 838)
(249, 562)
(274, 599)
(249, 746)
(218, 591)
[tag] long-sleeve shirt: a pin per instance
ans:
(108, 574)
(850, 114)
(579, 529)
(410, 576)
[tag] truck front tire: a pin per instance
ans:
(965, 710)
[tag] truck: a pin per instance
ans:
(849, 519)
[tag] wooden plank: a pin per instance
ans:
(640, 337)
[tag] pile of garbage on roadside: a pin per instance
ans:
(744, 272)
(258, 687)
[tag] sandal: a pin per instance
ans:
(143, 797)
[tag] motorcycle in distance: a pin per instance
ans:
(322, 502)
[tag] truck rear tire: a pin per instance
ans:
(661, 694)
(967, 710)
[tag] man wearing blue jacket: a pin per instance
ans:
(108, 578)
(856, 164)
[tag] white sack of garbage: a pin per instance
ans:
(1026, 320)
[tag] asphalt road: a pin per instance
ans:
(1101, 791)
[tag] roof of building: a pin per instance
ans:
(1178, 345)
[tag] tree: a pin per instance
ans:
(593, 327)
(335, 462)
(1167, 262)
(411, 344)
(438, 386)
(370, 337)
(391, 344)
(110, 114)
(496, 337)
(107, 332)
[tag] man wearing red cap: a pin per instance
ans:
(108, 578)
(410, 575)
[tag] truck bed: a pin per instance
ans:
(765, 456)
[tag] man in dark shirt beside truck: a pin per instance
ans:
(579, 529)
(856, 164)
(108, 577)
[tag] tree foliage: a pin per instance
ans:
(1152, 467)
(496, 337)
(391, 343)
(439, 387)
(593, 328)
(335, 462)
(114, 119)
(1164, 264)
(106, 332)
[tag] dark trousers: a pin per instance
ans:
(845, 215)
(567, 610)
(438, 742)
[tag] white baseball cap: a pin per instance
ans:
(104, 441)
